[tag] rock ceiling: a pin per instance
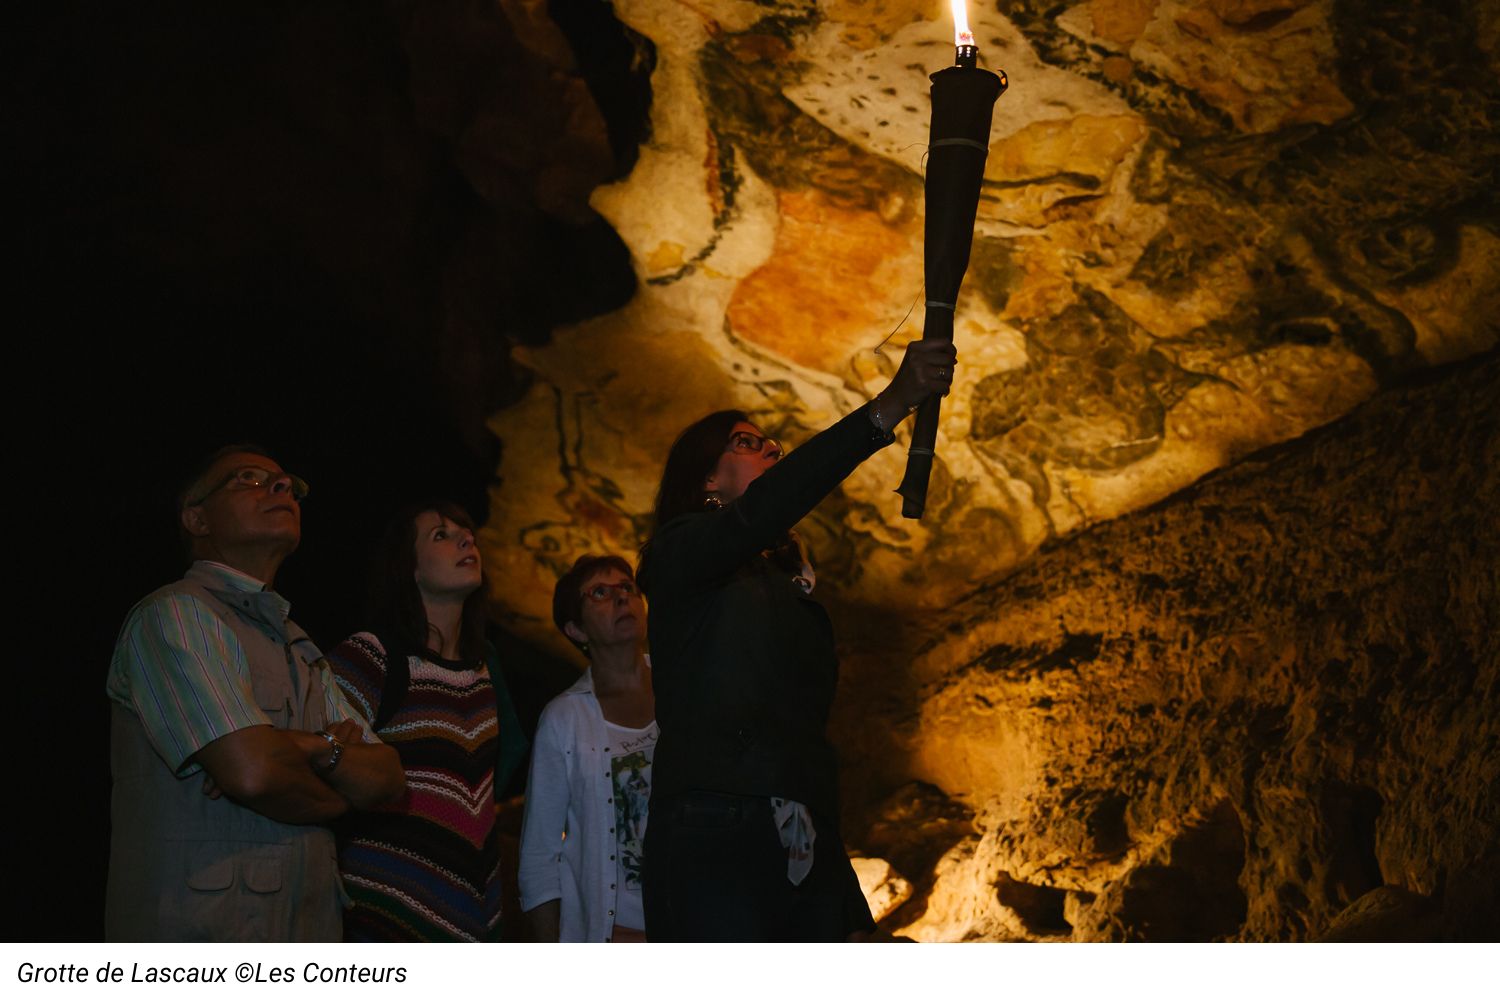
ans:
(1205, 227)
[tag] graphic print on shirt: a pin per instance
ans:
(632, 784)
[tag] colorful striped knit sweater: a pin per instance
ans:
(426, 868)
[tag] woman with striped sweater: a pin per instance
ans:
(427, 868)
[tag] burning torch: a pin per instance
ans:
(963, 99)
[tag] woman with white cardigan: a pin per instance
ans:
(580, 872)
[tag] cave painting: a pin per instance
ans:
(1187, 248)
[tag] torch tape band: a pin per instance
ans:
(921, 451)
(963, 142)
(935, 304)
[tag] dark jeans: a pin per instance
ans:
(715, 870)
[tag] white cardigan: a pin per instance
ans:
(568, 835)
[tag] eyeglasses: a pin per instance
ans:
(752, 444)
(601, 592)
(253, 477)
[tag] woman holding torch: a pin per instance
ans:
(743, 843)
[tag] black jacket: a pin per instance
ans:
(743, 661)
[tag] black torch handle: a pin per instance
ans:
(963, 99)
(913, 488)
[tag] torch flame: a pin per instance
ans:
(961, 33)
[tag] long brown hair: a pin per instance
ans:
(396, 607)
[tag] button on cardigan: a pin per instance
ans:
(567, 836)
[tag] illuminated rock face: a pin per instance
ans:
(1206, 228)
(1230, 715)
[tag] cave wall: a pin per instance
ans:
(1231, 715)
(1205, 227)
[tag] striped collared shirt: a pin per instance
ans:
(179, 667)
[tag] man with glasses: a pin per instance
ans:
(231, 745)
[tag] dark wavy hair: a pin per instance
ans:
(694, 455)
(396, 607)
(567, 596)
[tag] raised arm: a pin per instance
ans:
(700, 547)
(703, 546)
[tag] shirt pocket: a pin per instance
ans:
(275, 706)
(230, 892)
(213, 875)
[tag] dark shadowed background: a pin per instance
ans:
(237, 224)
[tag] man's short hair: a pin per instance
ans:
(191, 483)
(191, 480)
(567, 596)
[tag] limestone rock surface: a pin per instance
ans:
(1238, 714)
